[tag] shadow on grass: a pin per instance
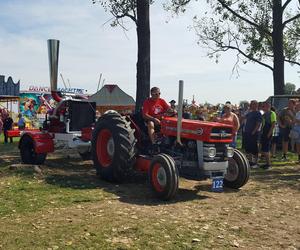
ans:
(279, 177)
(66, 174)
(207, 188)
(9, 158)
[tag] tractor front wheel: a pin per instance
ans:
(163, 177)
(238, 171)
(28, 154)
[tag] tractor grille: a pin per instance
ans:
(220, 152)
(221, 133)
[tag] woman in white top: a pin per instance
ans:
(296, 130)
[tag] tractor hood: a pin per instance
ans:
(198, 130)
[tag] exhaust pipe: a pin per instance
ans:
(180, 107)
(53, 52)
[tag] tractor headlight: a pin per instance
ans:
(210, 152)
(229, 151)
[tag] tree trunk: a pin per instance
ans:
(143, 62)
(277, 36)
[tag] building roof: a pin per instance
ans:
(112, 95)
(9, 87)
(8, 98)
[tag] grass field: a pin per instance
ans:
(64, 205)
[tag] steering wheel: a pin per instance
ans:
(170, 114)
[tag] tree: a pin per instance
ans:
(138, 12)
(265, 32)
(289, 88)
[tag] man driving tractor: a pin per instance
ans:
(154, 108)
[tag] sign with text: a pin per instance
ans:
(42, 89)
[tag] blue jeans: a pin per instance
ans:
(233, 143)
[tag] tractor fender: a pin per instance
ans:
(143, 163)
(43, 142)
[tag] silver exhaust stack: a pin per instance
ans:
(53, 52)
(180, 107)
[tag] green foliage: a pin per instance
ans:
(245, 26)
(289, 88)
(119, 9)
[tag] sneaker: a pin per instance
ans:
(284, 158)
(266, 166)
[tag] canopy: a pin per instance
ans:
(110, 96)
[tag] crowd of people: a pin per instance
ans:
(261, 127)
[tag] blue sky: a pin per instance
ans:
(90, 47)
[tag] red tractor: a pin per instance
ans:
(69, 125)
(119, 145)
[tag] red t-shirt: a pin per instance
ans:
(155, 108)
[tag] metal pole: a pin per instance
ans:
(53, 51)
(180, 106)
(99, 82)
(63, 80)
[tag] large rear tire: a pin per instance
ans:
(238, 171)
(28, 154)
(163, 177)
(113, 147)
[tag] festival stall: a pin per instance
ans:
(110, 96)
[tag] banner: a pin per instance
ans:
(34, 106)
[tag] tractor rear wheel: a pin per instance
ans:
(28, 154)
(163, 177)
(238, 171)
(113, 147)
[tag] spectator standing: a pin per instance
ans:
(21, 122)
(7, 125)
(1, 123)
(200, 114)
(172, 104)
(261, 110)
(244, 110)
(275, 137)
(296, 129)
(186, 114)
(230, 118)
(226, 103)
(285, 121)
(251, 129)
(268, 124)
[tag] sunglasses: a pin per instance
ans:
(156, 93)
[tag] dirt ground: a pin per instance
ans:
(264, 214)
